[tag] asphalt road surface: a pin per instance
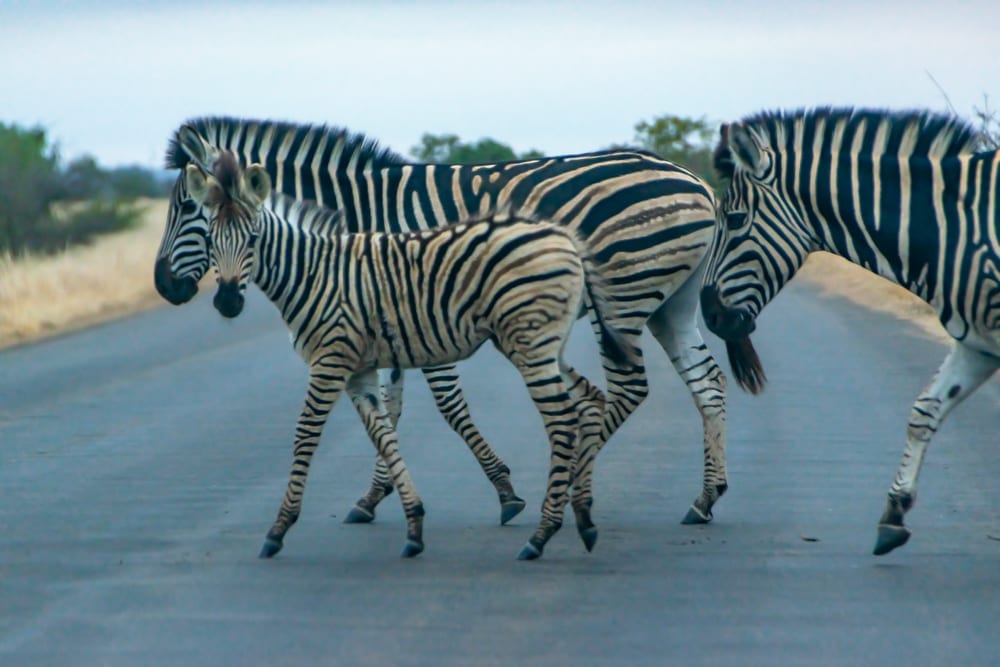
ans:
(143, 461)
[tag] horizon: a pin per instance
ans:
(113, 80)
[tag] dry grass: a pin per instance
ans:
(837, 276)
(46, 295)
(43, 296)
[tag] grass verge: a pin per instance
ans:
(85, 285)
(46, 295)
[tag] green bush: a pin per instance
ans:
(45, 208)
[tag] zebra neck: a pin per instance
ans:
(886, 221)
(290, 260)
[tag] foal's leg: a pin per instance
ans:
(963, 370)
(559, 412)
(675, 327)
(326, 382)
(447, 391)
(590, 411)
(363, 389)
(390, 393)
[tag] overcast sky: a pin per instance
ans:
(114, 79)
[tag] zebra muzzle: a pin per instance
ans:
(726, 322)
(173, 289)
(228, 299)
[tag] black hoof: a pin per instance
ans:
(359, 514)
(510, 509)
(890, 537)
(412, 548)
(529, 552)
(271, 547)
(589, 537)
(695, 517)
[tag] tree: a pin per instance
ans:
(85, 179)
(35, 214)
(449, 149)
(29, 181)
(688, 142)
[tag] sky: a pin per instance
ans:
(114, 79)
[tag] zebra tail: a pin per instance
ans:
(613, 342)
(747, 369)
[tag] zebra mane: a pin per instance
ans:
(936, 135)
(264, 140)
(307, 215)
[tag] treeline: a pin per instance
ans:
(46, 206)
(686, 141)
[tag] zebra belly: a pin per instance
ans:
(398, 353)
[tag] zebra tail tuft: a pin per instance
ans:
(613, 343)
(747, 369)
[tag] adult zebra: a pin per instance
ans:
(647, 222)
(903, 195)
(355, 302)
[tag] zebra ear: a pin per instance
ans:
(202, 188)
(745, 150)
(258, 181)
(722, 156)
(196, 148)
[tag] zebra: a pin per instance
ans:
(902, 194)
(647, 223)
(355, 302)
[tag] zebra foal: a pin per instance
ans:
(357, 302)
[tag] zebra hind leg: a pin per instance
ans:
(590, 411)
(962, 372)
(447, 391)
(559, 412)
(363, 389)
(627, 388)
(675, 328)
(390, 393)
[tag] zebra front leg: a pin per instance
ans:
(390, 393)
(447, 391)
(675, 328)
(962, 372)
(559, 412)
(363, 389)
(325, 385)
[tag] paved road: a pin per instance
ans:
(142, 462)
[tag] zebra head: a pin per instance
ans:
(182, 258)
(233, 198)
(759, 244)
(760, 239)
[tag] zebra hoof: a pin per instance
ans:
(271, 547)
(695, 517)
(589, 537)
(529, 552)
(890, 537)
(412, 548)
(510, 509)
(359, 514)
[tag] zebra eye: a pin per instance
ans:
(736, 220)
(253, 239)
(188, 207)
